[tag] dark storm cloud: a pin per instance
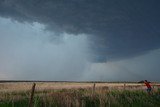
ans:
(116, 28)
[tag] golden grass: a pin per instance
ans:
(67, 93)
(40, 86)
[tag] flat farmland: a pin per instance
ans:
(24, 86)
(78, 94)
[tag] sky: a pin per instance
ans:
(80, 40)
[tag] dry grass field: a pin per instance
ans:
(25, 86)
(78, 94)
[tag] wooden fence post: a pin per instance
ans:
(93, 90)
(124, 86)
(32, 95)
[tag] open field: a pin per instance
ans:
(76, 94)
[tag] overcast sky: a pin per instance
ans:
(61, 40)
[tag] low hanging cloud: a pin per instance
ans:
(116, 29)
(132, 69)
(27, 52)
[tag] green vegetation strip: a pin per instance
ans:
(84, 98)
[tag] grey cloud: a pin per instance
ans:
(132, 69)
(27, 54)
(116, 28)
